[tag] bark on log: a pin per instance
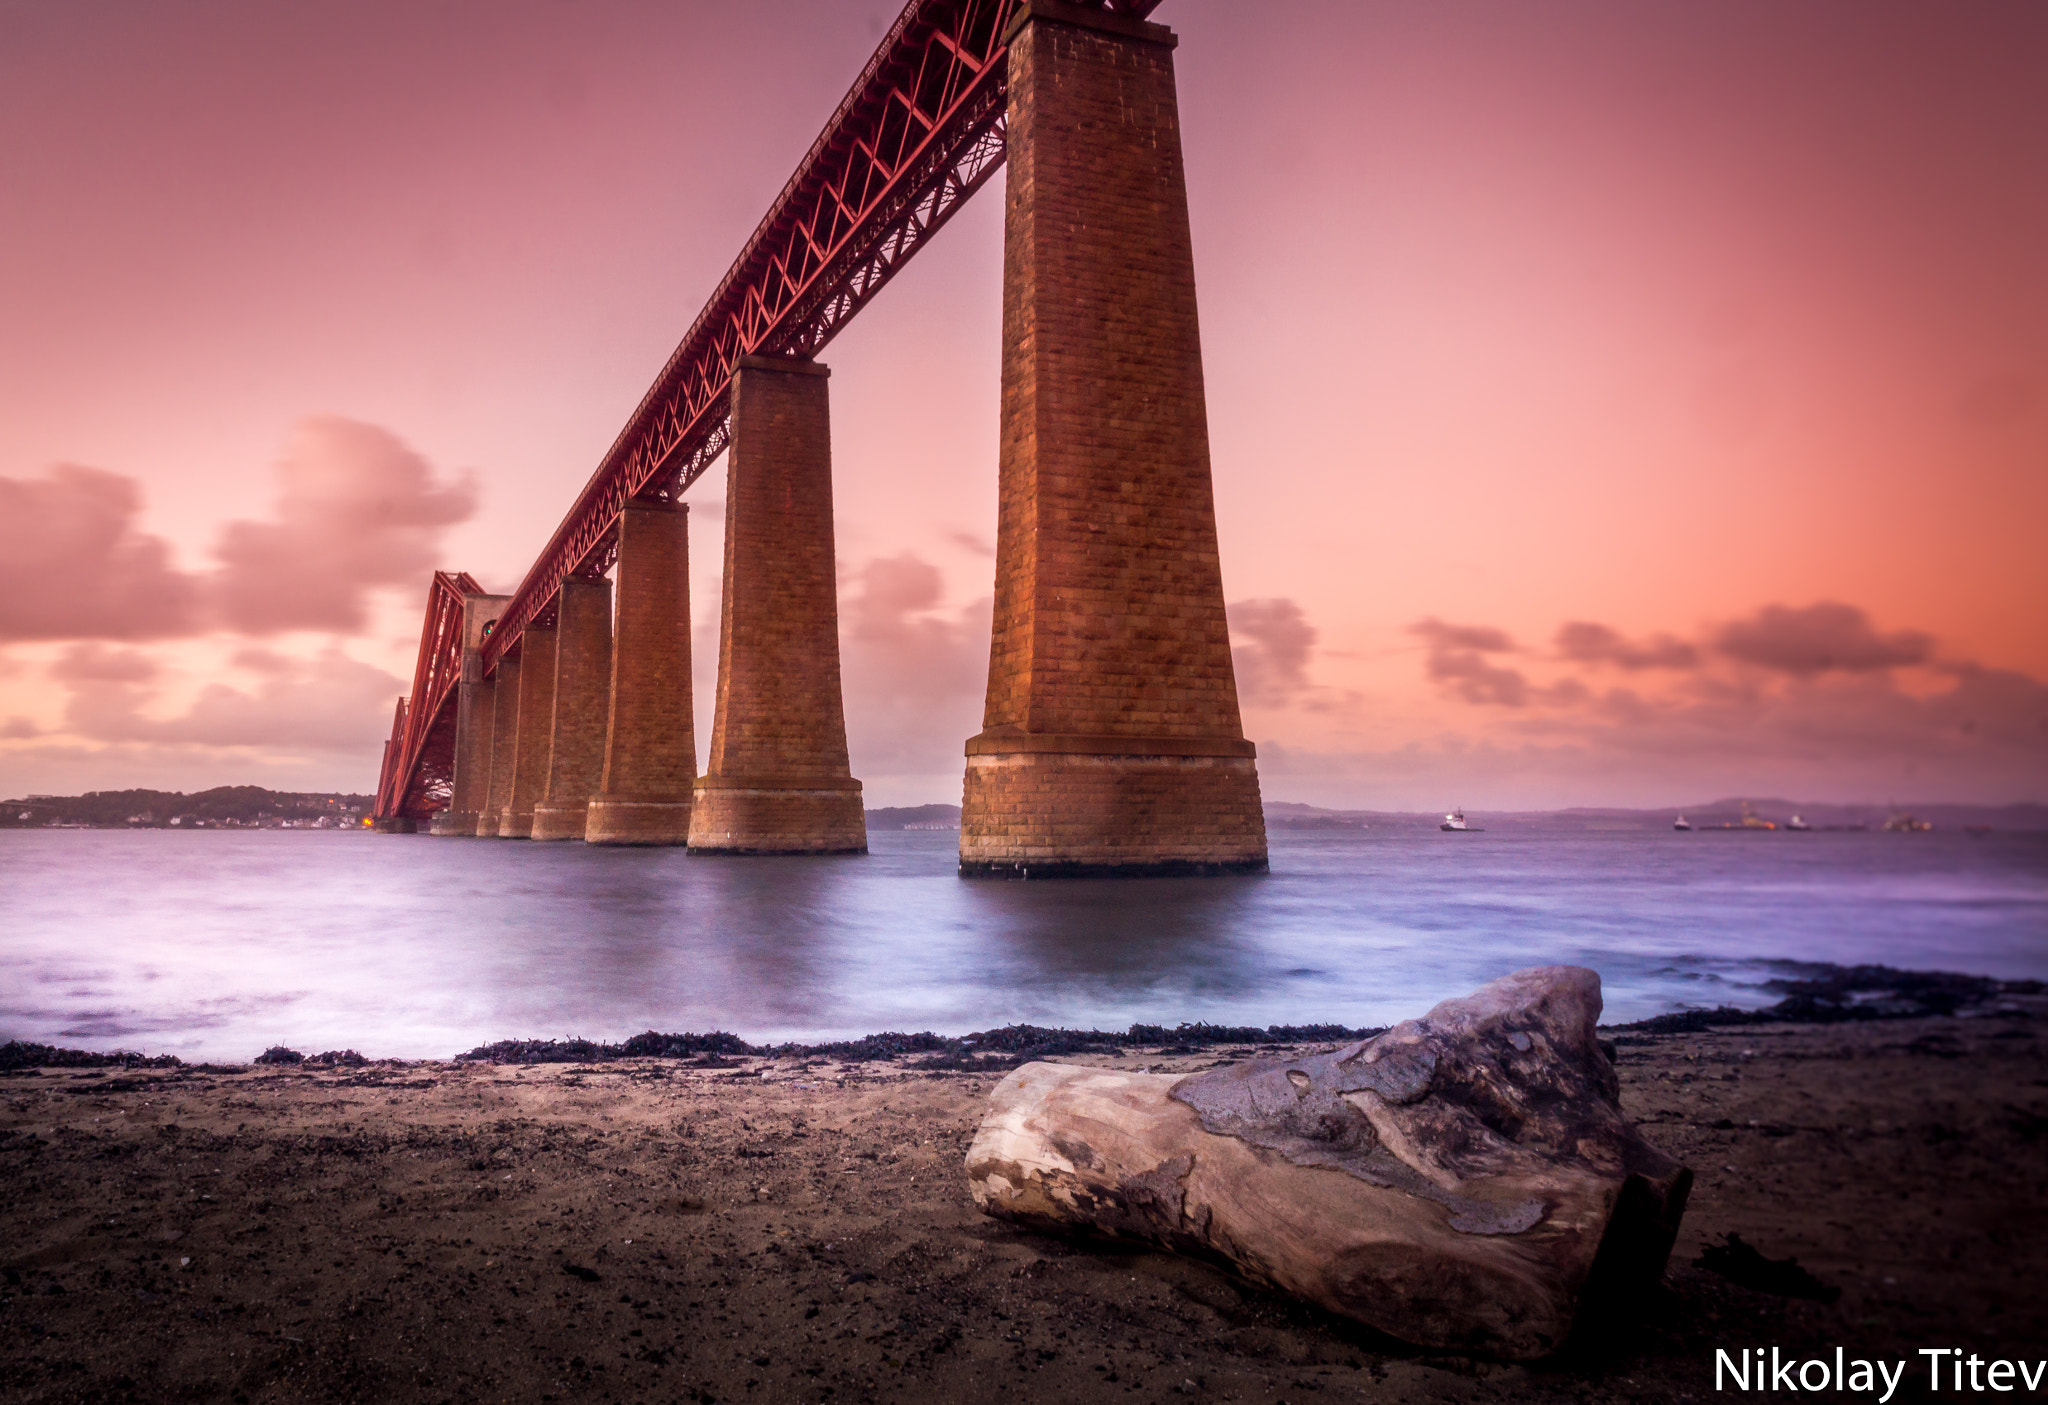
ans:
(1465, 1180)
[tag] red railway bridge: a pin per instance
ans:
(1111, 738)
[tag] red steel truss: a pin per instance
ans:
(419, 760)
(918, 133)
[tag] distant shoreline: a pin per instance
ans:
(253, 807)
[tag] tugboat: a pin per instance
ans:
(1454, 823)
(1682, 823)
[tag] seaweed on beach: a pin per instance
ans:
(867, 1049)
(1810, 993)
(17, 1053)
(1815, 993)
(981, 1051)
(650, 1045)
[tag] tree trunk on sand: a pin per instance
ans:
(1465, 1180)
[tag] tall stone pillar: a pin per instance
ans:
(1111, 740)
(504, 748)
(583, 674)
(475, 699)
(533, 731)
(650, 749)
(777, 781)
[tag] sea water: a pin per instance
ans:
(217, 945)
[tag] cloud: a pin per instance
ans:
(915, 673)
(972, 541)
(1815, 639)
(329, 703)
(1457, 660)
(1478, 637)
(18, 729)
(356, 509)
(94, 663)
(1802, 693)
(72, 565)
(1272, 667)
(1582, 642)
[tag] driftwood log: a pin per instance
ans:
(1466, 1180)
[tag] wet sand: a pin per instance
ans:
(800, 1230)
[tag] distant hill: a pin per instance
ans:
(224, 807)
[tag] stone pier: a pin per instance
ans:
(504, 748)
(1111, 739)
(778, 781)
(533, 731)
(650, 749)
(475, 699)
(582, 698)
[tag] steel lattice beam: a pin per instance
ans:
(918, 133)
(419, 760)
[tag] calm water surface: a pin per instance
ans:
(217, 945)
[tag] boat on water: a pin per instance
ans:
(1798, 825)
(1681, 823)
(1750, 820)
(1454, 823)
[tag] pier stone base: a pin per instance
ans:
(1094, 814)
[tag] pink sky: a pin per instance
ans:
(1611, 403)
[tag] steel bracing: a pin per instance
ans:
(918, 133)
(419, 760)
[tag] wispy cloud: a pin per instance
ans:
(74, 566)
(1787, 686)
(915, 670)
(1272, 662)
(356, 510)
(330, 703)
(1816, 639)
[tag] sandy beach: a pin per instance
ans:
(800, 1230)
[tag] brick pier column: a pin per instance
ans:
(533, 730)
(650, 751)
(504, 747)
(1111, 740)
(583, 672)
(475, 697)
(777, 781)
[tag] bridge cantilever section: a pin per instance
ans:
(919, 132)
(419, 759)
